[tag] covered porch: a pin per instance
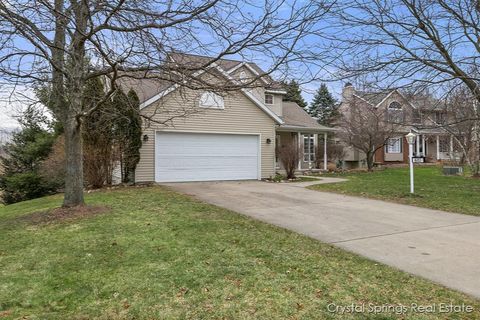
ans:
(435, 146)
(430, 146)
(305, 136)
(310, 143)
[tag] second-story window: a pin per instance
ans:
(395, 112)
(416, 117)
(440, 117)
(268, 98)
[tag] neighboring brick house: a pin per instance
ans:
(421, 115)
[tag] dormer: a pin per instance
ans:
(273, 99)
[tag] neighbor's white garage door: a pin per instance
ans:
(203, 157)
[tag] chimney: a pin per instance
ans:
(348, 91)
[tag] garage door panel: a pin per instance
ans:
(204, 157)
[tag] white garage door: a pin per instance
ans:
(204, 157)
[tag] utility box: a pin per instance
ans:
(452, 171)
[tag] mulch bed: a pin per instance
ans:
(62, 214)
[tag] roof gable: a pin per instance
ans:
(246, 92)
(376, 99)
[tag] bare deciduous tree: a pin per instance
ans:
(409, 41)
(366, 128)
(289, 155)
(464, 125)
(335, 152)
(65, 43)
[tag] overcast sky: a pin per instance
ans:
(11, 105)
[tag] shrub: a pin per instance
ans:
(52, 169)
(278, 178)
(24, 186)
(289, 156)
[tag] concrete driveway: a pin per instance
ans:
(440, 246)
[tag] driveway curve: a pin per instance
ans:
(440, 246)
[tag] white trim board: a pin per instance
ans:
(249, 67)
(275, 91)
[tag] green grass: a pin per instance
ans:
(162, 255)
(432, 189)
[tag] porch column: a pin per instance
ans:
(438, 147)
(325, 151)
(424, 146)
(300, 150)
(314, 146)
(417, 151)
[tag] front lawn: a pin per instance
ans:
(161, 255)
(432, 189)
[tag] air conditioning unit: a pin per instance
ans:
(452, 171)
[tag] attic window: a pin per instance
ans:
(243, 77)
(211, 100)
(394, 112)
(268, 98)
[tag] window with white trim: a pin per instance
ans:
(440, 117)
(243, 76)
(268, 98)
(308, 147)
(395, 112)
(211, 100)
(444, 144)
(416, 117)
(394, 145)
(277, 146)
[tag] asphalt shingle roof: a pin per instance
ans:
(296, 116)
(422, 101)
(147, 85)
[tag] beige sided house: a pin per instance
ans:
(226, 136)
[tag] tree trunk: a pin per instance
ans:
(370, 161)
(74, 165)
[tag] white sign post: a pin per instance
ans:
(411, 140)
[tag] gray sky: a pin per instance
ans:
(12, 104)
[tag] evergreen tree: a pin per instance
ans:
(30, 145)
(294, 94)
(324, 106)
(128, 132)
(133, 141)
(21, 179)
(98, 136)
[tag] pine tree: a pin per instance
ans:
(133, 137)
(294, 94)
(21, 178)
(31, 144)
(324, 106)
(128, 132)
